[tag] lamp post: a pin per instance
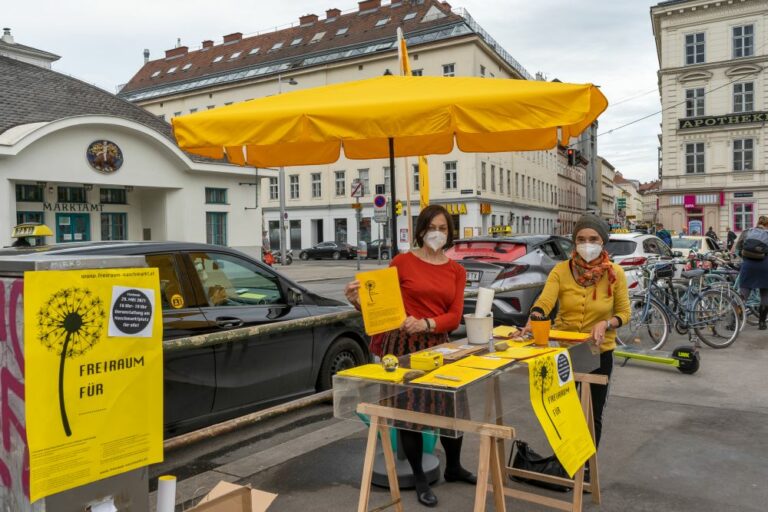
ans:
(281, 182)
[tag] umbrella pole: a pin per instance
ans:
(393, 217)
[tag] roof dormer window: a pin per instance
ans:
(186, 66)
(382, 22)
(218, 59)
(342, 31)
(317, 37)
(409, 16)
(172, 70)
(276, 46)
(296, 41)
(235, 55)
(254, 51)
(155, 74)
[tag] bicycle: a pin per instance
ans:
(709, 312)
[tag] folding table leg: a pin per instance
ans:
(389, 460)
(370, 454)
(483, 466)
(497, 476)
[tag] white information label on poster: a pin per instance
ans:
(78, 236)
(67, 237)
(131, 312)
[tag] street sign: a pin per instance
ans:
(380, 201)
(357, 188)
(380, 216)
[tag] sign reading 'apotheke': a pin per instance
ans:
(699, 122)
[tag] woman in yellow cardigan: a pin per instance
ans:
(593, 297)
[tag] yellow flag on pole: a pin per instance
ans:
(423, 182)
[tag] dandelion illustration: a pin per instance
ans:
(543, 376)
(69, 324)
(370, 286)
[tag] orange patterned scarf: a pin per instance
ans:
(587, 274)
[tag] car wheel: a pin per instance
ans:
(336, 255)
(343, 353)
(304, 256)
(384, 255)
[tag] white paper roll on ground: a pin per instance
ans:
(166, 493)
(484, 302)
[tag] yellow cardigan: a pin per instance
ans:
(578, 311)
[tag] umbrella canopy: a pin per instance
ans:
(422, 115)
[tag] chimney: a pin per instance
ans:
(233, 37)
(307, 19)
(446, 5)
(146, 55)
(7, 37)
(179, 51)
(332, 13)
(367, 5)
(207, 44)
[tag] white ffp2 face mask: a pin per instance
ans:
(435, 240)
(589, 251)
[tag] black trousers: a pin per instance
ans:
(600, 393)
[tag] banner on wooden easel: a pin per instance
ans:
(556, 404)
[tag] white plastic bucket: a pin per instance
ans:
(479, 329)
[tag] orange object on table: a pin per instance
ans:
(540, 329)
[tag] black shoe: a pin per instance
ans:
(426, 497)
(462, 475)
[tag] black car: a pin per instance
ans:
(207, 288)
(333, 250)
(373, 250)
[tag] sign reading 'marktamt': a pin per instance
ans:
(94, 375)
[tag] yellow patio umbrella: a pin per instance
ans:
(392, 116)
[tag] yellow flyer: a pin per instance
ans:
(380, 300)
(94, 375)
(557, 406)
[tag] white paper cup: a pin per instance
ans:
(479, 329)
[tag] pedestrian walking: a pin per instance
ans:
(711, 234)
(753, 275)
(432, 287)
(730, 239)
(663, 234)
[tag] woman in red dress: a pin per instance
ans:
(432, 286)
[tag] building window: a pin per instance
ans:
(482, 71)
(743, 97)
(273, 189)
(417, 72)
(192, 110)
(386, 180)
(517, 190)
(294, 185)
(317, 188)
(342, 31)
(71, 195)
(362, 175)
(482, 175)
(694, 102)
(296, 41)
(451, 176)
(743, 41)
(694, 48)
(35, 218)
(218, 58)
(29, 193)
(509, 182)
(216, 228)
(114, 226)
(340, 230)
(215, 195)
(694, 158)
(341, 183)
(113, 196)
(176, 114)
(382, 22)
(416, 187)
(449, 70)
(316, 38)
(501, 180)
(743, 154)
(276, 46)
(742, 216)
(493, 178)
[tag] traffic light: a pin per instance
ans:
(398, 207)
(571, 156)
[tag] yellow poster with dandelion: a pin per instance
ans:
(94, 375)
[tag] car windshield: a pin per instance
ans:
(486, 250)
(686, 243)
(620, 247)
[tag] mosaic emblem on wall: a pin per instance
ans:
(104, 156)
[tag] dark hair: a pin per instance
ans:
(425, 218)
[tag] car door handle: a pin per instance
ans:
(228, 321)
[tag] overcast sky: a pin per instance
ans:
(606, 42)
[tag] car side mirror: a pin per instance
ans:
(677, 254)
(295, 296)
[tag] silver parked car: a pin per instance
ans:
(507, 261)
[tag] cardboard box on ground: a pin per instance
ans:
(228, 497)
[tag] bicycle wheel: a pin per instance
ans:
(715, 319)
(647, 328)
(735, 297)
(753, 308)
